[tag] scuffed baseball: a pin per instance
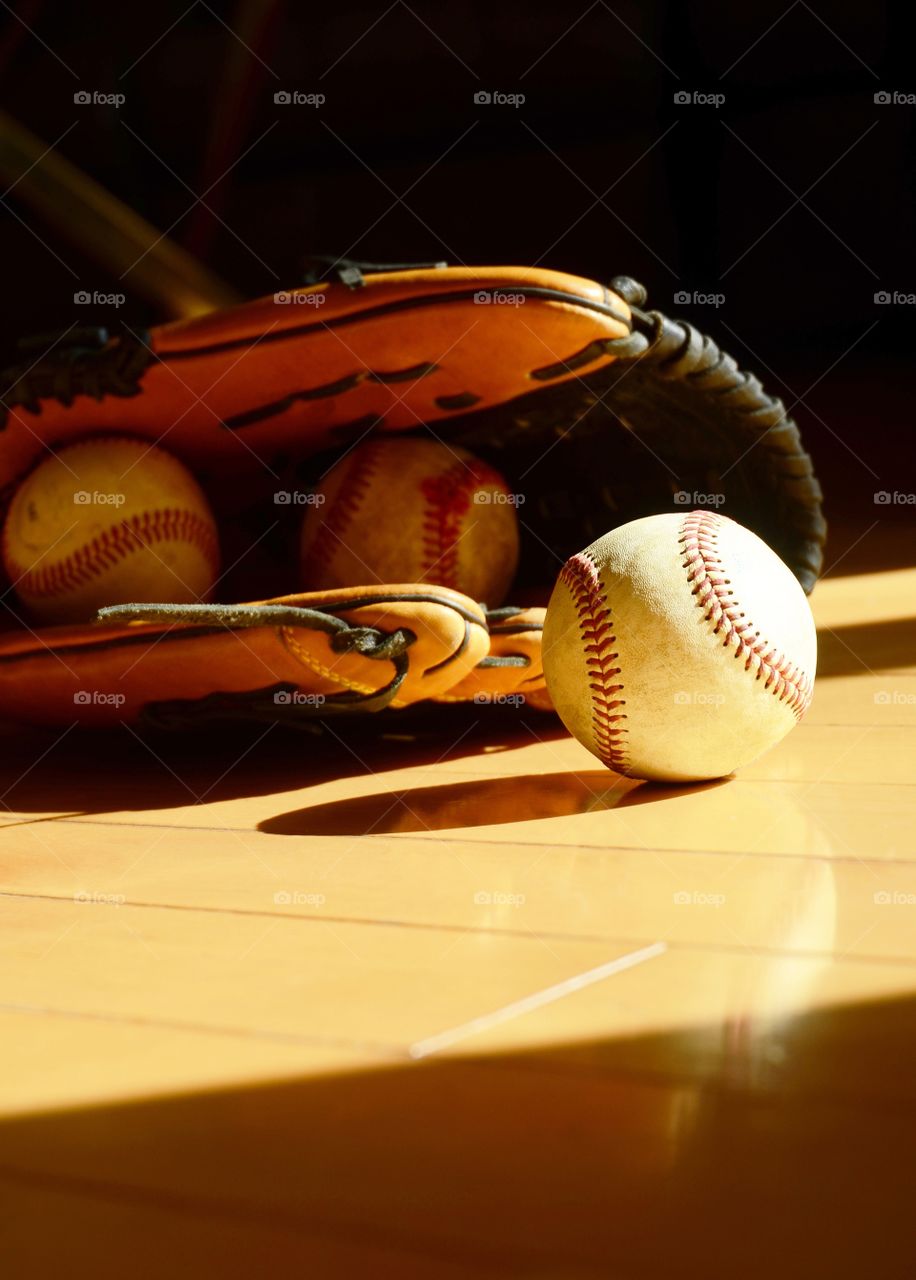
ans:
(109, 520)
(679, 647)
(411, 511)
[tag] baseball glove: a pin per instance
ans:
(595, 409)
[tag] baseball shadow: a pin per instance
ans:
(480, 802)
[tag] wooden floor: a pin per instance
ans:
(457, 1002)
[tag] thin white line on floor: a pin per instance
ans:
(423, 1048)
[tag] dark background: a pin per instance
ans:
(793, 200)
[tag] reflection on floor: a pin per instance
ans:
(449, 1000)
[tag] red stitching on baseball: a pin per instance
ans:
(582, 580)
(448, 500)
(786, 680)
(329, 535)
(114, 544)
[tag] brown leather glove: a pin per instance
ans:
(594, 409)
(299, 657)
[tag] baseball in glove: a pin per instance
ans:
(594, 408)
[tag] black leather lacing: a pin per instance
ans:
(85, 362)
(351, 272)
(269, 703)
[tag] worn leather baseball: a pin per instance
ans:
(412, 511)
(111, 520)
(679, 647)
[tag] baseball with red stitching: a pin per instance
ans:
(108, 521)
(412, 511)
(679, 647)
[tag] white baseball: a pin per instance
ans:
(679, 647)
(109, 520)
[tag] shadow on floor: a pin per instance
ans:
(856, 649)
(747, 1147)
(84, 771)
(482, 802)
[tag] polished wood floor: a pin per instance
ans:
(453, 1001)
